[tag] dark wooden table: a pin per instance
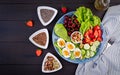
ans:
(17, 53)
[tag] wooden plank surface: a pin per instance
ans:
(17, 53)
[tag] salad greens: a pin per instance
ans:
(86, 18)
(88, 21)
(59, 49)
(72, 56)
(61, 31)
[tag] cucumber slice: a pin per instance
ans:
(83, 52)
(96, 43)
(92, 53)
(87, 54)
(72, 56)
(93, 48)
(59, 49)
(86, 46)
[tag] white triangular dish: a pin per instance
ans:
(36, 33)
(44, 60)
(40, 16)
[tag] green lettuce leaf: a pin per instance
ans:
(86, 18)
(59, 49)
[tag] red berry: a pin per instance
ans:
(29, 23)
(38, 52)
(64, 9)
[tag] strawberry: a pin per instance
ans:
(64, 9)
(38, 52)
(29, 23)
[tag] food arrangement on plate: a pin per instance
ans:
(78, 35)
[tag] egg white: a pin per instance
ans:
(63, 52)
(61, 40)
(68, 44)
(77, 50)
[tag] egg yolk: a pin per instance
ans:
(61, 43)
(77, 53)
(70, 46)
(66, 53)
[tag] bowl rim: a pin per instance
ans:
(50, 54)
(39, 14)
(36, 33)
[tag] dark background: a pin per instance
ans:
(17, 53)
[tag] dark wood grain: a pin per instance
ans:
(17, 53)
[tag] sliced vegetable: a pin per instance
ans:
(60, 31)
(59, 49)
(86, 46)
(87, 54)
(92, 53)
(72, 56)
(93, 48)
(83, 52)
(96, 43)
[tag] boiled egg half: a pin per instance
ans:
(66, 53)
(61, 42)
(70, 46)
(77, 53)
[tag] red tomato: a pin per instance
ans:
(90, 31)
(86, 34)
(94, 40)
(92, 36)
(99, 39)
(99, 33)
(96, 27)
(87, 40)
(96, 33)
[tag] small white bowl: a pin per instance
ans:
(81, 37)
(36, 33)
(50, 54)
(39, 14)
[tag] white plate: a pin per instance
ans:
(39, 14)
(36, 33)
(50, 54)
